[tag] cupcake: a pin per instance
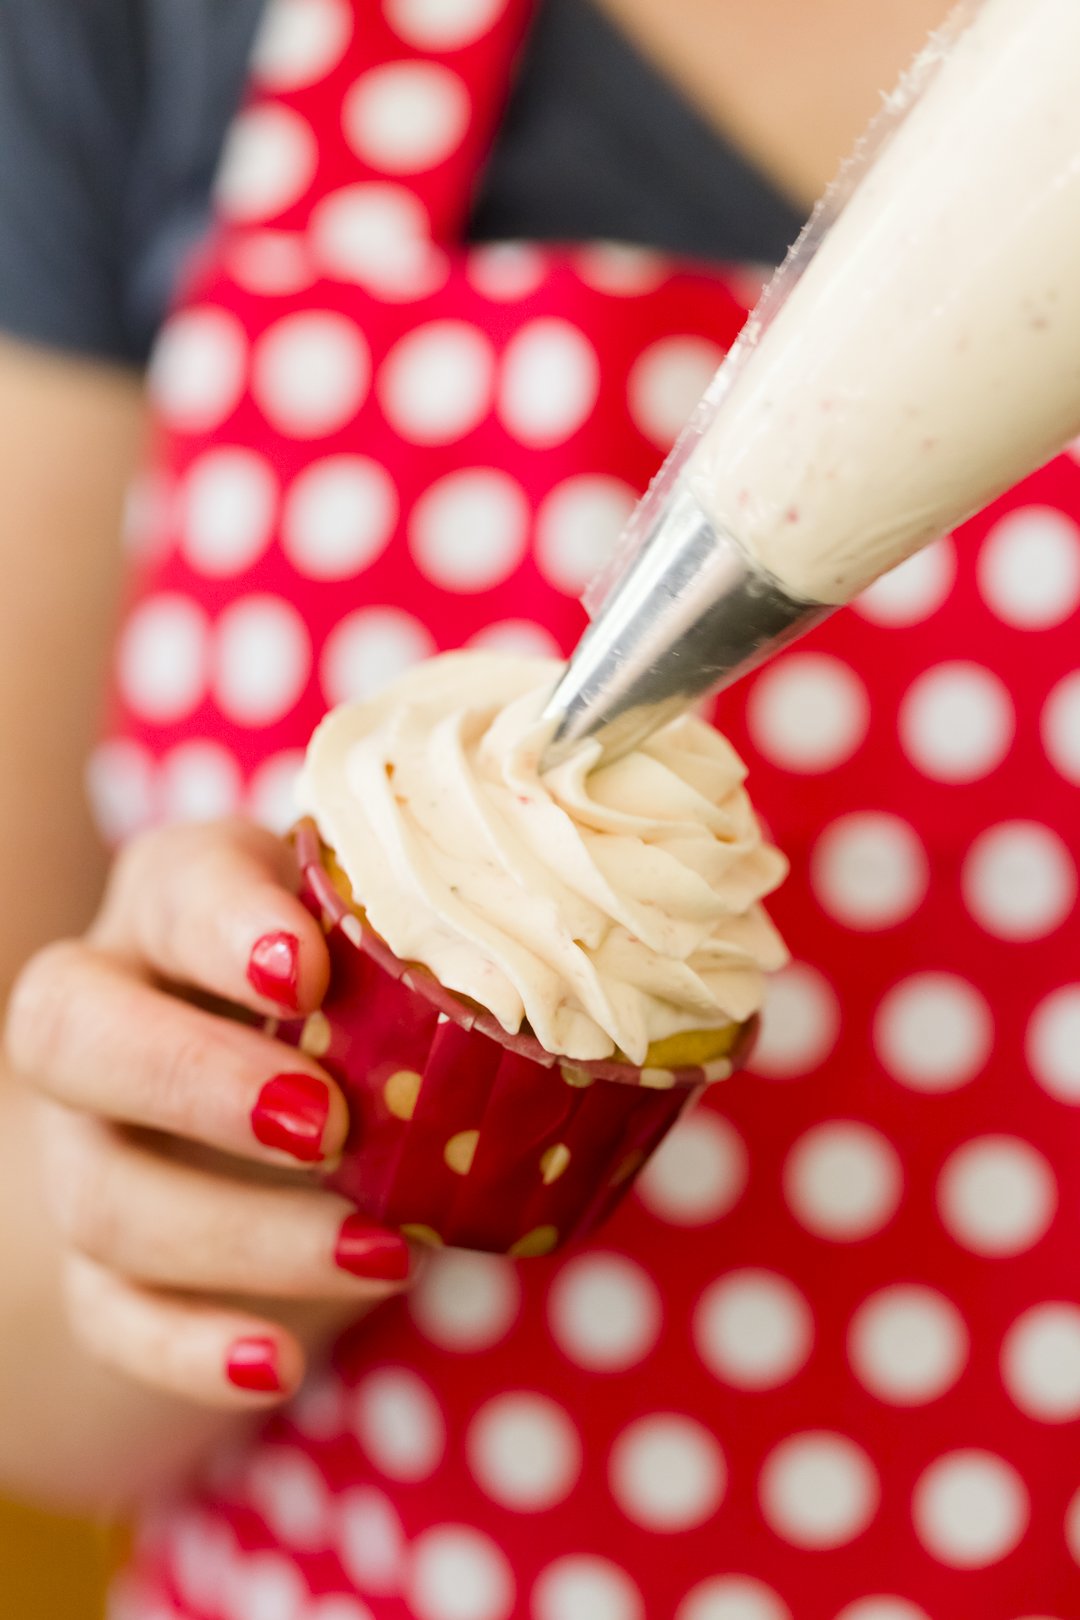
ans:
(531, 975)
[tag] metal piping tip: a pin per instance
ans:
(691, 615)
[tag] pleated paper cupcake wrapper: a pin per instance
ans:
(463, 1134)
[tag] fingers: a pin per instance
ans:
(214, 906)
(89, 1035)
(175, 1226)
(203, 1352)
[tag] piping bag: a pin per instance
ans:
(917, 355)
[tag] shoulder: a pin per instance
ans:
(112, 114)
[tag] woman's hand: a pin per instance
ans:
(179, 1147)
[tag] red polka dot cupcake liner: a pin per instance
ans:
(462, 1134)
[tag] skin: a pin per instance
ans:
(143, 1228)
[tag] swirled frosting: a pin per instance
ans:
(605, 908)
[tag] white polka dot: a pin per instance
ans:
(405, 117)
(262, 660)
(1072, 1528)
(882, 1608)
(338, 1608)
(753, 1329)
(436, 385)
(199, 781)
(914, 591)
(263, 1586)
(732, 1597)
(870, 870)
(120, 786)
(799, 1026)
(956, 723)
(1029, 568)
(458, 1574)
(581, 1588)
(271, 264)
(400, 1424)
(549, 383)
(843, 1181)
(524, 1452)
(163, 658)
(318, 1410)
(149, 512)
(506, 272)
(667, 1473)
(370, 1540)
(288, 1492)
(996, 1195)
(1040, 1362)
(970, 1509)
(229, 500)
(699, 1173)
(604, 1312)
(577, 527)
(1061, 727)
(198, 368)
(311, 375)
(338, 517)
(301, 41)
(622, 270)
(1019, 881)
(202, 1555)
(808, 712)
(465, 1301)
(1053, 1044)
(667, 382)
(268, 163)
(934, 1032)
(470, 531)
(369, 649)
(364, 231)
(442, 25)
(518, 638)
(908, 1344)
(272, 790)
(818, 1490)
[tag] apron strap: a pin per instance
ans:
(389, 106)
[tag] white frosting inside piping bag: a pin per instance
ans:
(928, 356)
(607, 910)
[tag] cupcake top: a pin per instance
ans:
(605, 908)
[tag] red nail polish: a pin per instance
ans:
(252, 1365)
(371, 1251)
(274, 969)
(291, 1115)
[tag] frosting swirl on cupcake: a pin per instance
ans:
(606, 908)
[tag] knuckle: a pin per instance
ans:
(132, 868)
(40, 1006)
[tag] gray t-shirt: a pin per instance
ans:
(113, 112)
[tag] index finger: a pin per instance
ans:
(214, 906)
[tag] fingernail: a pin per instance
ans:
(291, 1115)
(371, 1251)
(274, 969)
(252, 1365)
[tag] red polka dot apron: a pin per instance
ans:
(825, 1364)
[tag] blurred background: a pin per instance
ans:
(52, 1569)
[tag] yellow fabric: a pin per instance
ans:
(52, 1569)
